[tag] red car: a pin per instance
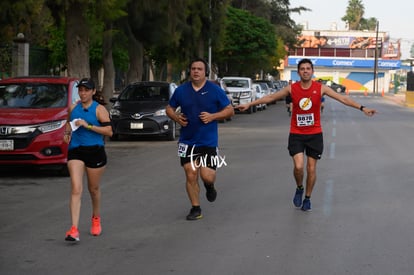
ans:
(33, 113)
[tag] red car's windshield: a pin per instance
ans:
(33, 95)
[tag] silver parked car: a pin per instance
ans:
(260, 92)
(241, 90)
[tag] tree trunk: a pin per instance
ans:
(77, 41)
(108, 64)
(169, 71)
(201, 48)
(136, 58)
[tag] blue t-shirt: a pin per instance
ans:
(210, 98)
(82, 136)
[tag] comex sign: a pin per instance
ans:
(350, 63)
(389, 64)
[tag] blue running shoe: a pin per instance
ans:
(306, 205)
(297, 199)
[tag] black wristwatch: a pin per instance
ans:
(362, 108)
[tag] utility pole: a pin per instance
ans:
(376, 61)
(209, 44)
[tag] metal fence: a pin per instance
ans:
(39, 63)
(38, 60)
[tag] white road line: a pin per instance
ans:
(332, 150)
(327, 198)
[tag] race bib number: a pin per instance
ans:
(182, 150)
(305, 120)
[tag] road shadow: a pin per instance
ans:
(32, 172)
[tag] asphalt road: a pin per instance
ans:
(361, 222)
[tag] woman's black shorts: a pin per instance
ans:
(92, 156)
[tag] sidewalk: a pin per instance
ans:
(398, 98)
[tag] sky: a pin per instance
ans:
(396, 17)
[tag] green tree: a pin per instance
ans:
(369, 24)
(106, 14)
(249, 44)
(259, 8)
(82, 35)
(168, 34)
(24, 16)
(354, 14)
(72, 15)
(354, 17)
(57, 47)
(286, 28)
(30, 18)
(217, 32)
(164, 48)
(78, 18)
(144, 23)
(278, 13)
(203, 28)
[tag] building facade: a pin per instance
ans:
(359, 60)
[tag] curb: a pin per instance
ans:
(399, 98)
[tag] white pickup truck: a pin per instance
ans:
(241, 89)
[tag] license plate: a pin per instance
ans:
(6, 145)
(135, 125)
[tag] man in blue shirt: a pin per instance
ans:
(202, 105)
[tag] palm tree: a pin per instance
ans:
(354, 14)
